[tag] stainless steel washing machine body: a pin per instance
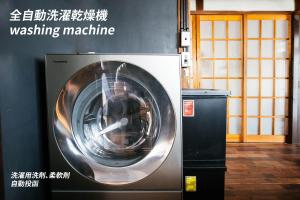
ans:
(115, 124)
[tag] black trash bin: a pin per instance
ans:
(204, 143)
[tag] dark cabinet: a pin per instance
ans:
(204, 143)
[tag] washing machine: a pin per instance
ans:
(114, 126)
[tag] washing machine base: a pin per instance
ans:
(117, 195)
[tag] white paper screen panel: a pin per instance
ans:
(220, 29)
(205, 29)
(234, 29)
(235, 68)
(266, 126)
(235, 125)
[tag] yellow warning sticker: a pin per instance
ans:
(190, 183)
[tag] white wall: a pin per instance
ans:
(192, 5)
(246, 5)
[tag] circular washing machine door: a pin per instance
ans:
(114, 123)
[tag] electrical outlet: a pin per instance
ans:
(185, 59)
(185, 38)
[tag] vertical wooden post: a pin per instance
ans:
(297, 5)
(294, 125)
(199, 5)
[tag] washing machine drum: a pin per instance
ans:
(114, 122)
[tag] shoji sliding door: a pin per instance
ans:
(250, 56)
(267, 61)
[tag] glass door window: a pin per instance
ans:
(111, 119)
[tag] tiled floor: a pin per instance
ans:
(262, 171)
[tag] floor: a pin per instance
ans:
(262, 171)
